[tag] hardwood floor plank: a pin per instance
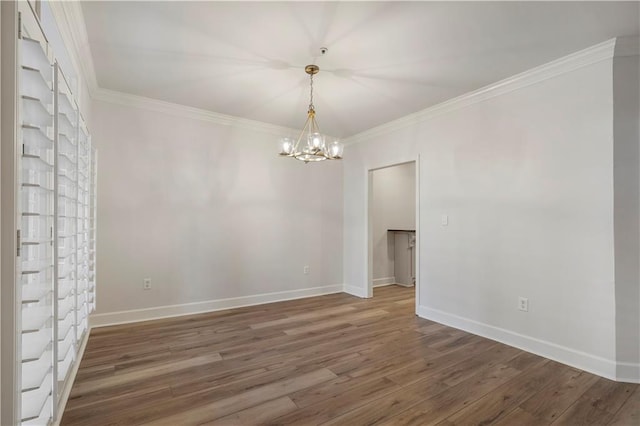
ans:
(584, 412)
(524, 361)
(470, 367)
(434, 409)
(259, 414)
(519, 417)
(79, 411)
(92, 385)
(549, 403)
(382, 409)
(103, 370)
(428, 366)
(629, 413)
(609, 395)
(384, 360)
(333, 359)
(244, 400)
(314, 315)
(222, 386)
(340, 338)
(336, 405)
(497, 404)
(432, 328)
(346, 319)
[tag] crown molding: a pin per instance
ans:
(179, 110)
(73, 29)
(71, 23)
(582, 58)
(74, 34)
(70, 19)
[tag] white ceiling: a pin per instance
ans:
(385, 59)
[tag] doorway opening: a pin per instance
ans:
(392, 223)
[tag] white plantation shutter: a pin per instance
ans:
(93, 212)
(56, 211)
(36, 261)
(66, 232)
(56, 234)
(84, 186)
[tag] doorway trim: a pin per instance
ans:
(369, 227)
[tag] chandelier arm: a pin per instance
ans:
(316, 128)
(314, 123)
(306, 124)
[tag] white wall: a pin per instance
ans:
(626, 136)
(393, 206)
(208, 212)
(525, 173)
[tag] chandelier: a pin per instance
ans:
(314, 147)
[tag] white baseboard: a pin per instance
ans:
(146, 314)
(355, 291)
(381, 282)
(584, 361)
(64, 397)
(628, 372)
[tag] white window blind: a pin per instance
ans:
(36, 262)
(57, 208)
(93, 213)
(67, 218)
(84, 164)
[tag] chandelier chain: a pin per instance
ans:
(311, 93)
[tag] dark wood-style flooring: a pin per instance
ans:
(333, 359)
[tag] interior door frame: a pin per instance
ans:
(369, 226)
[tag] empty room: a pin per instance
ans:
(320, 213)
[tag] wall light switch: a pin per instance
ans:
(444, 220)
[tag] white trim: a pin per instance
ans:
(184, 111)
(582, 58)
(355, 291)
(628, 372)
(578, 359)
(370, 282)
(73, 30)
(72, 26)
(10, 392)
(405, 285)
(124, 317)
(74, 33)
(418, 234)
(72, 378)
(381, 282)
(368, 245)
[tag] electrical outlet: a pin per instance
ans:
(523, 304)
(444, 220)
(305, 270)
(146, 284)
